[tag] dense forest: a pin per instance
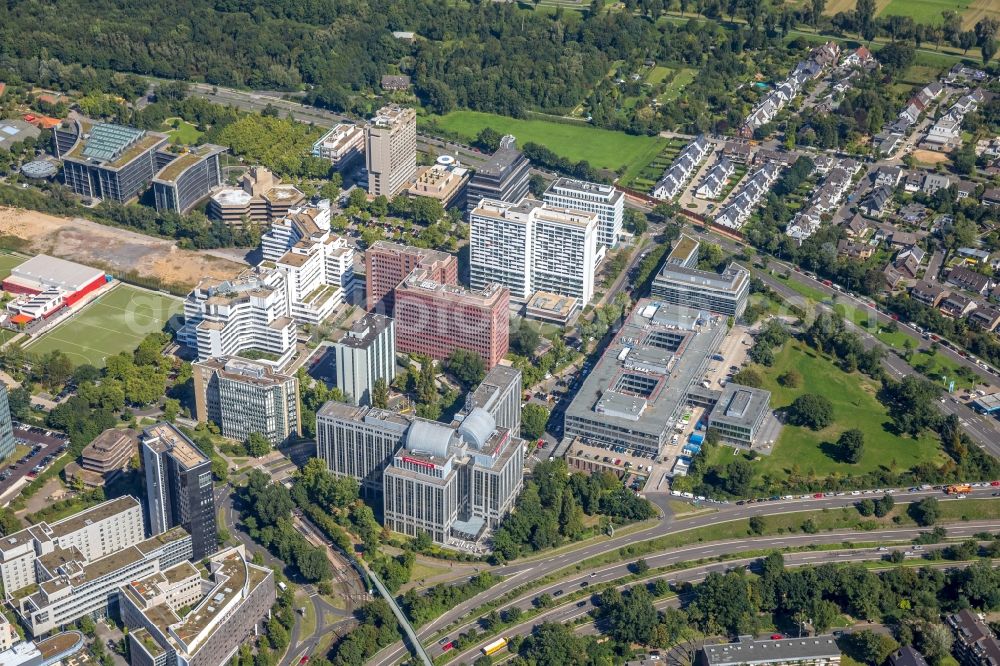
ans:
(497, 57)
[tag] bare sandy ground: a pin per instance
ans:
(929, 156)
(113, 249)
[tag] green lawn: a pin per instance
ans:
(803, 452)
(924, 11)
(577, 141)
(658, 74)
(185, 132)
(8, 262)
(117, 321)
(684, 76)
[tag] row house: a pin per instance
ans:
(715, 181)
(682, 168)
(739, 209)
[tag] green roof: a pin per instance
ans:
(107, 141)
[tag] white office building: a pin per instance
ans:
(605, 200)
(365, 354)
(247, 315)
(341, 145)
(530, 246)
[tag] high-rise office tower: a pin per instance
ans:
(391, 150)
(605, 200)
(179, 487)
(6, 426)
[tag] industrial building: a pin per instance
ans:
(76, 563)
(176, 616)
(387, 265)
(604, 200)
(54, 650)
(365, 354)
(640, 385)
(680, 283)
(451, 481)
(44, 285)
(504, 177)
(179, 490)
(244, 397)
(804, 651)
(108, 161)
(16, 131)
(188, 179)
(391, 150)
(436, 319)
(530, 246)
(342, 145)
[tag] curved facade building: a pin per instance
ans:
(188, 179)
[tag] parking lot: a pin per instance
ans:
(46, 447)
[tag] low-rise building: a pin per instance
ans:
(260, 198)
(177, 617)
(969, 280)
(806, 651)
(956, 305)
(739, 414)
(929, 293)
(342, 145)
(907, 656)
(975, 643)
(553, 308)
(109, 453)
(445, 181)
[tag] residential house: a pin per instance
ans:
(913, 213)
(888, 175)
(985, 316)
(991, 197)
(908, 262)
(860, 57)
(974, 255)
(877, 203)
(852, 250)
(934, 182)
(888, 143)
(893, 278)
(963, 73)
(929, 293)
(913, 181)
(956, 305)
(715, 181)
(965, 189)
(682, 168)
(395, 82)
(857, 226)
(903, 239)
(907, 656)
(975, 643)
(737, 152)
(969, 280)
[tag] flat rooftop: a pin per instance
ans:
(232, 197)
(730, 279)
(93, 515)
(740, 405)
(555, 305)
(644, 376)
(244, 370)
(586, 189)
(783, 650)
(364, 331)
(53, 271)
(185, 161)
(175, 444)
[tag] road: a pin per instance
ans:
(523, 572)
(569, 612)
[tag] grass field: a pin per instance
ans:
(802, 452)
(184, 133)
(643, 175)
(658, 74)
(924, 11)
(577, 141)
(8, 262)
(117, 321)
(684, 76)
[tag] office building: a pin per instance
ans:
(605, 200)
(366, 354)
(108, 161)
(500, 395)
(552, 308)
(109, 453)
(177, 617)
(641, 384)
(72, 566)
(680, 283)
(740, 414)
(188, 179)
(805, 651)
(445, 181)
(436, 319)
(44, 285)
(244, 397)
(451, 481)
(504, 177)
(247, 315)
(975, 643)
(342, 145)
(260, 198)
(7, 443)
(391, 150)
(179, 488)
(388, 264)
(531, 246)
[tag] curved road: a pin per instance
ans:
(523, 572)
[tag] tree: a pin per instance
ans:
(790, 379)
(534, 418)
(488, 139)
(811, 411)
(380, 393)
(851, 445)
(869, 647)
(926, 512)
(757, 525)
(524, 339)
(884, 505)
(748, 377)
(739, 474)
(257, 445)
(864, 14)
(467, 366)
(866, 507)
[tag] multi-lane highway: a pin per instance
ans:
(523, 572)
(569, 612)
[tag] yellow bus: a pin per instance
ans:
(494, 647)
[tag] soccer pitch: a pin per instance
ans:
(115, 322)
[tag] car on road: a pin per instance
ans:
(818, 496)
(304, 659)
(581, 604)
(775, 637)
(447, 646)
(585, 584)
(557, 593)
(444, 640)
